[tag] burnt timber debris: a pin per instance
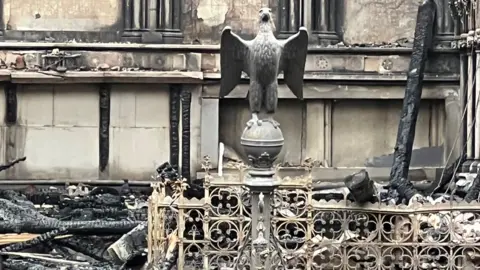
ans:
(76, 227)
(423, 41)
(10, 104)
(175, 102)
(104, 126)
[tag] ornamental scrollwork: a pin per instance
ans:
(308, 230)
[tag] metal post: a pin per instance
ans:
(262, 185)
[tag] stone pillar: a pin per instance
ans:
(169, 24)
(289, 17)
(324, 20)
(2, 25)
(445, 24)
(152, 21)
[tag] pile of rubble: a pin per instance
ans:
(76, 227)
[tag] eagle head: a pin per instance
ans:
(265, 15)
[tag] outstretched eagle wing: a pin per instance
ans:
(292, 61)
(233, 60)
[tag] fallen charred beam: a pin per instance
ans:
(94, 227)
(130, 245)
(51, 264)
(422, 43)
(33, 242)
(11, 164)
(447, 175)
(361, 187)
(113, 213)
(16, 219)
(92, 246)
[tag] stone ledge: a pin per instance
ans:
(331, 76)
(381, 174)
(27, 77)
(192, 47)
(341, 91)
(349, 66)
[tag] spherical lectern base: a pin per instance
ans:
(262, 141)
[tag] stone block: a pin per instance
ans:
(209, 62)
(122, 105)
(35, 105)
(76, 105)
(136, 152)
(93, 59)
(152, 106)
(64, 15)
(384, 21)
(387, 64)
(59, 152)
(142, 105)
(194, 62)
(178, 61)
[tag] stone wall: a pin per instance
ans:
(58, 130)
(201, 21)
(61, 15)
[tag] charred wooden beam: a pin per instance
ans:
(186, 98)
(11, 164)
(129, 245)
(288, 17)
(104, 126)
(447, 175)
(361, 187)
(174, 125)
(33, 242)
(411, 103)
(325, 15)
(10, 104)
(95, 227)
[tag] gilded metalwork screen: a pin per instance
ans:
(309, 231)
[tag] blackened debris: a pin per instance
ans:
(423, 41)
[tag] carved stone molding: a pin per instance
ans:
(153, 21)
(325, 15)
(289, 17)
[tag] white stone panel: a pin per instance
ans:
(152, 106)
(135, 152)
(35, 105)
(55, 152)
(76, 105)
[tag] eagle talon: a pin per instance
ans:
(273, 122)
(252, 122)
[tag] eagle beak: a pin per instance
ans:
(265, 17)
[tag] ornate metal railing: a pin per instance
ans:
(307, 231)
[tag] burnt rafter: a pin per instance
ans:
(325, 14)
(104, 126)
(422, 43)
(175, 90)
(289, 18)
(10, 104)
(153, 20)
(186, 98)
